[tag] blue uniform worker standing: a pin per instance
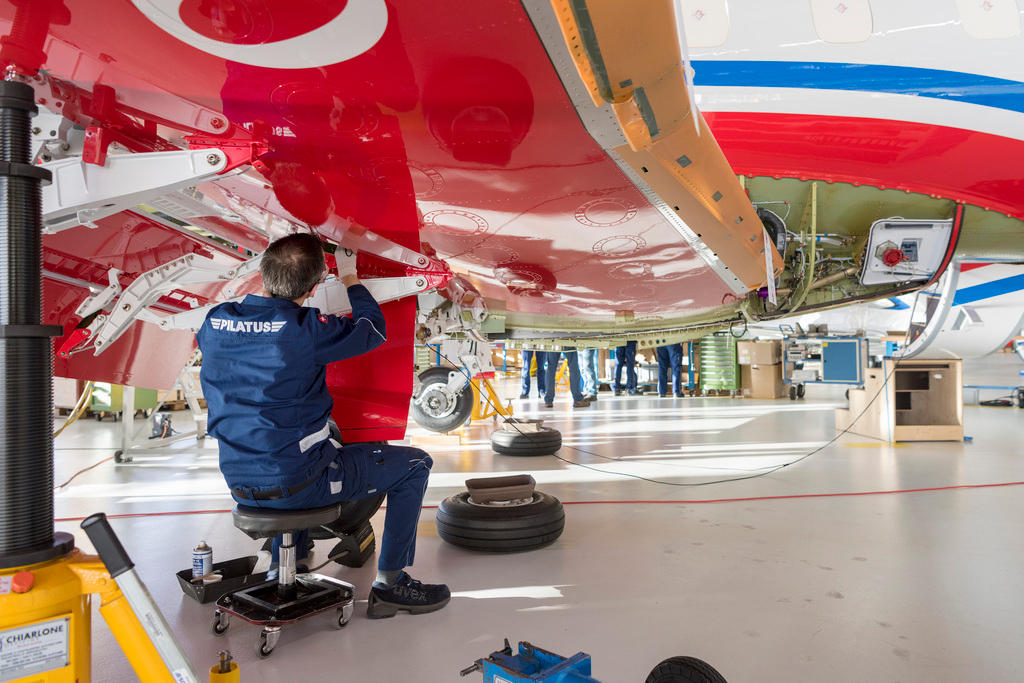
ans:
(589, 373)
(551, 360)
(625, 358)
(527, 357)
(264, 379)
(670, 357)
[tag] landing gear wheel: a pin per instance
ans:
(792, 392)
(546, 441)
(800, 390)
(220, 623)
(684, 670)
(437, 409)
(508, 526)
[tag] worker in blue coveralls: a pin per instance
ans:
(264, 378)
(670, 357)
(527, 360)
(551, 360)
(625, 357)
(588, 373)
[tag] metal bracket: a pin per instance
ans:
(82, 193)
(100, 300)
(55, 137)
(130, 304)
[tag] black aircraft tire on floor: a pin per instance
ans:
(511, 442)
(684, 670)
(496, 528)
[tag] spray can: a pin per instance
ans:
(202, 560)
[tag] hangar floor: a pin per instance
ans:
(786, 581)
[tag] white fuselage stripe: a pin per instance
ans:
(862, 104)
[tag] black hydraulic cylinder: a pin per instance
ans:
(26, 355)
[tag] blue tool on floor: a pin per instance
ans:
(532, 665)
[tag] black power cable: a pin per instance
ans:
(768, 470)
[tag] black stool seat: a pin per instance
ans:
(263, 522)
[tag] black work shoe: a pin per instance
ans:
(523, 397)
(407, 594)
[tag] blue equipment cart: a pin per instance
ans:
(822, 360)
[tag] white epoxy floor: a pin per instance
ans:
(896, 587)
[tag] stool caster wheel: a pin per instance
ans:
(268, 640)
(220, 623)
(344, 615)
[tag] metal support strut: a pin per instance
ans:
(26, 357)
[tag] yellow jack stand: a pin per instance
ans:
(491, 407)
(562, 376)
(45, 618)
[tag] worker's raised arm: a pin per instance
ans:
(341, 337)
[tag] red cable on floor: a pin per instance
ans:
(632, 502)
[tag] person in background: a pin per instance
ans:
(589, 373)
(625, 357)
(670, 357)
(527, 357)
(551, 359)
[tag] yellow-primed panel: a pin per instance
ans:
(634, 65)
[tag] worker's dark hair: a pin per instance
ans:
(292, 265)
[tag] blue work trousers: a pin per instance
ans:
(670, 358)
(588, 371)
(551, 358)
(527, 357)
(358, 471)
(625, 357)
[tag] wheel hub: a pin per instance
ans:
(437, 402)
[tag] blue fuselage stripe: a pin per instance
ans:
(901, 80)
(988, 290)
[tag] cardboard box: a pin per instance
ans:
(762, 381)
(767, 352)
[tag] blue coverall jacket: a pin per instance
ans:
(263, 376)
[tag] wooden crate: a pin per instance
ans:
(908, 400)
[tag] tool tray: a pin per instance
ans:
(237, 574)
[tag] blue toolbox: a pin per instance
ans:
(532, 665)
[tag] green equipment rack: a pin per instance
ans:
(719, 367)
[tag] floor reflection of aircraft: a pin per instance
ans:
(551, 154)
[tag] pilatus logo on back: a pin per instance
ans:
(246, 325)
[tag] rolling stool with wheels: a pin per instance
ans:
(290, 597)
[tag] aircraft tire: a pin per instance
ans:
(438, 415)
(511, 442)
(684, 670)
(500, 528)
